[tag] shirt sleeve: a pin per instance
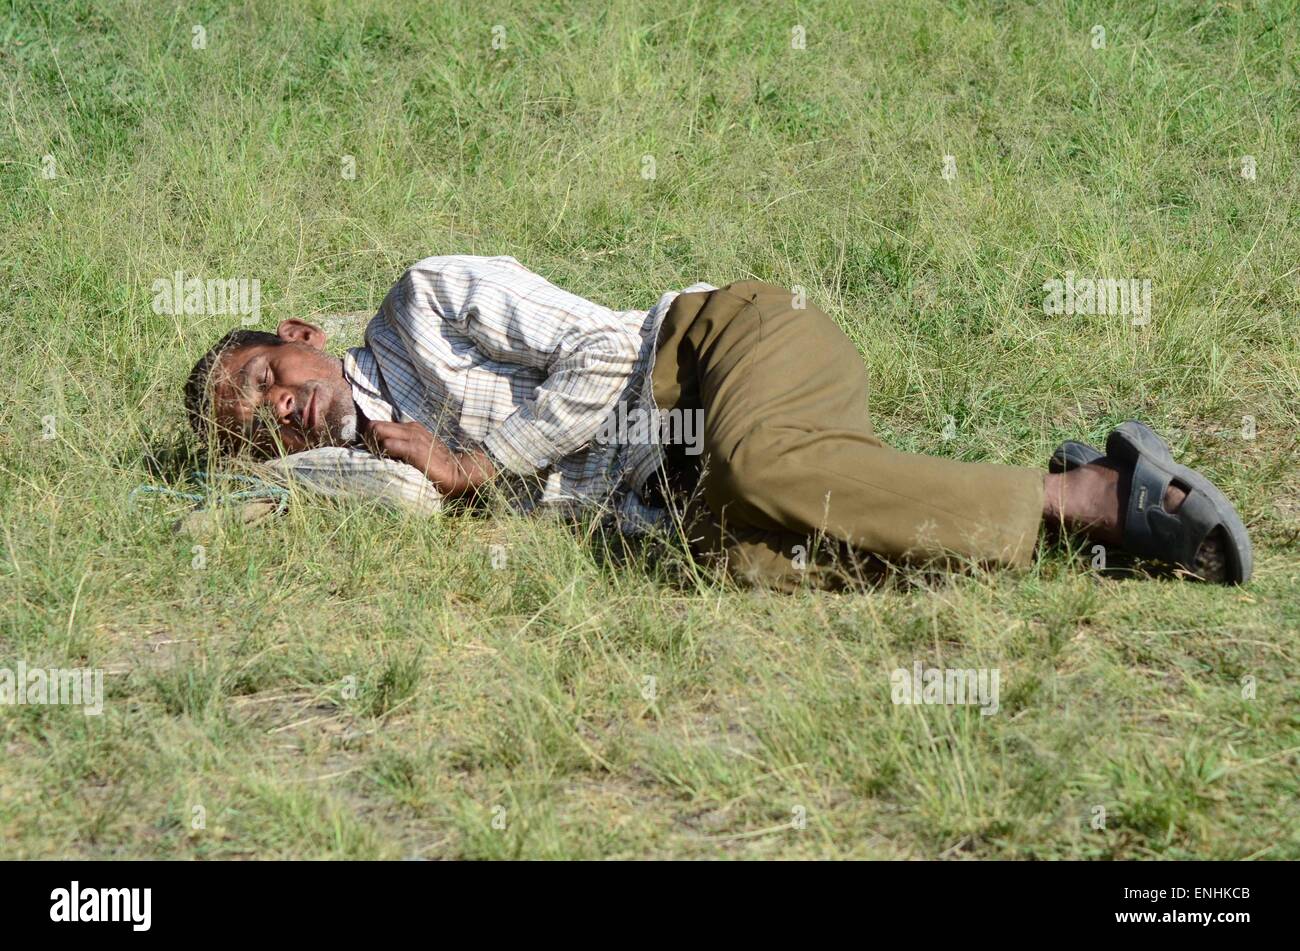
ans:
(512, 315)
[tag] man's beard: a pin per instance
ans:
(347, 431)
(340, 418)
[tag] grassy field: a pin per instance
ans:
(346, 683)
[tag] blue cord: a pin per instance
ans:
(259, 489)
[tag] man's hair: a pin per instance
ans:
(198, 388)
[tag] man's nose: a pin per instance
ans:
(284, 404)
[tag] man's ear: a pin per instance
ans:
(299, 331)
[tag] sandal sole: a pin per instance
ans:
(1135, 438)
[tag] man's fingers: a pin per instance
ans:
(381, 430)
(384, 444)
(410, 443)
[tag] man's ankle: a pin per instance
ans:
(1087, 501)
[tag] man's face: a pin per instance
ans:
(291, 395)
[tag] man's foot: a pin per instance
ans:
(1091, 501)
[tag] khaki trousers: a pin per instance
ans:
(793, 486)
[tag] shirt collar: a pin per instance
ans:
(361, 370)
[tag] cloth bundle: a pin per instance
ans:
(354, 473)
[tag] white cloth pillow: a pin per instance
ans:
(343, 471)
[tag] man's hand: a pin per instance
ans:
(454, 473)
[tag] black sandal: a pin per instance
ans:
(1072, 455)
(1150, 531)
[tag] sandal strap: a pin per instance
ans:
(1072, 454)
(1153, 532)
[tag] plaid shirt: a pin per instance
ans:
(487, 354)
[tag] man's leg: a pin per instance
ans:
(790, 453)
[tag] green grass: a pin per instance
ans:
(342, 682)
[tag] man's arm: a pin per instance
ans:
(454, 473)
(512, 315)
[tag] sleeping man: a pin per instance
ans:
(743, 409)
